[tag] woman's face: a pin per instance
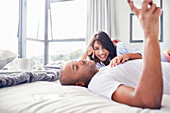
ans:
(100, 52)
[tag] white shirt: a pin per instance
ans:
(122, 48)
(106, 81)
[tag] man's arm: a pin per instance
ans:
(149, 90)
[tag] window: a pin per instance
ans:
(35, 19)
(68, 19)
(136, 31)
(54, 29)
(9, 11)
(67, 24)
(62, 51)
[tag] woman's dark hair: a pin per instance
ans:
(106, 42)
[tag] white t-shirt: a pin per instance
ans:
(123, 48)
(106, 81)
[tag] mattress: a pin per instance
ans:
(51, 97)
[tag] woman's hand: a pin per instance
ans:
(123, 58)
(89, 51)
(119, 59)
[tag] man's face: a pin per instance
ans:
(82, 70)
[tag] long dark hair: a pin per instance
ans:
(106, 42)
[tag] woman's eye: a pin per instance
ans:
(96, 48)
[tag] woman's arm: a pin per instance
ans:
(89, 49)
(84, 55)
(123, 58)
(123, 48)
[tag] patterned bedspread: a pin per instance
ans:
(27, 77)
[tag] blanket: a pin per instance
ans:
(49, 72)
(27, 77)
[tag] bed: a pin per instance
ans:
(41, 92)
(51, 97)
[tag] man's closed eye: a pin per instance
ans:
(75, 68)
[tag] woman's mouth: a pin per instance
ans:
(102, 56)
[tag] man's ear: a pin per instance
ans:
(80, 84)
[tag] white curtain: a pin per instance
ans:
(100, 16)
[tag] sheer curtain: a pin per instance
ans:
(9, 25)
(100, 16)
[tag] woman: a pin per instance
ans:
(104, 51)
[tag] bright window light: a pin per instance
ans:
(35, 19)
(65, 51)
(35, 51)
(68, 19)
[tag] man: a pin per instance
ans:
(135, 83)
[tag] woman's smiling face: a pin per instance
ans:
(100, 52)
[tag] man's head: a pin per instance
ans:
(78, 73)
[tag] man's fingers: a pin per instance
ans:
(145, 4)
(152, 8)
(133, 8)
(158, 11)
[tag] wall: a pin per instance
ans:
(122, 13)
(166, 24)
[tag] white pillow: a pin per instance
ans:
(6, 57)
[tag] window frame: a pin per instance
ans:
(132, 38)
(22, 30)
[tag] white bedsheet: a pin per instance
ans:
(51, 97)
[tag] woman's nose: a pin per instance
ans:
(101, 51)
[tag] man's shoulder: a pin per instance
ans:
(104, 68)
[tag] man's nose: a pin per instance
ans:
(82, 61)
